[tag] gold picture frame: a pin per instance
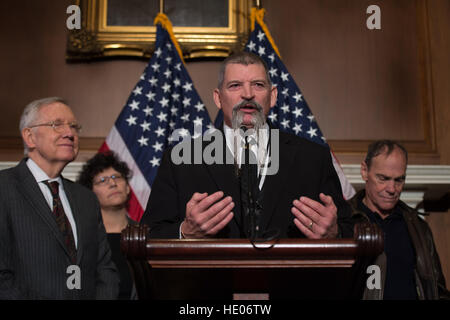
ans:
(96, 39)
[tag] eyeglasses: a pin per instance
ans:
(103, 181)
(59, 126)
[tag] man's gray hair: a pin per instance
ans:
(244, 58)
(31, 111)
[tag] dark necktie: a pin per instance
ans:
(62, 221)
(249, 191)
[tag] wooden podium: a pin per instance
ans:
(223, 269)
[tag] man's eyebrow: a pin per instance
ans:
(380, 175)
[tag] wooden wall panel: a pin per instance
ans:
(360, 84)
(439, 223)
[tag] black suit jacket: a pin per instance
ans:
(305, 169)
(33, 256)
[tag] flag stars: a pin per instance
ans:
(174, 111)
(155, 162)
(160, 131)
(162, 116)
(184, 132)
(177, 82)
(169, 60)
(134, 105)
(198, 121)
(143, 141)
(187, 102)
(297, 97)
(157, 146)
(260, 36)
(131, 120)
(178, 66)
(187, 86)
(271, 57)
(137, 91)
(185, 117)
(285, 123)
(285, 92)
(153, 81)
(199, 106)
(298, 112)
(251, 46)
(273, 117)
(164, 102)
(285, 108)
(273, 72)
(166, 87)
(155, 67)
(148, 111)
(312, 132)
(284, 76)
(297, 128)
(168, 73)
(145, 126)
(175, 96)
(169, 46)
(150, 96)
(311, 117)
(261, 51)
(158, 52)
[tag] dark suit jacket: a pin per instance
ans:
(305, 169)
(33, 256)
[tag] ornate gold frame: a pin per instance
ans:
(97, 40)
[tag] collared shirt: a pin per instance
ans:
(40, 176)
(260, 148)
(400, 281)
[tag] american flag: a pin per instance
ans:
(163, 100)
(291, 112)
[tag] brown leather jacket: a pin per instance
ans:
(430, 282)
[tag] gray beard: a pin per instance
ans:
(237, 117)
(258, 121)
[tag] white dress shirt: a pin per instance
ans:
(260, 148)
(41, 177)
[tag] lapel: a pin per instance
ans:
(76, 212)
(224, 176)
(274, 185)
(29, 188)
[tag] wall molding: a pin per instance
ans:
(419, 178)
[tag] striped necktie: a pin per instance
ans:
(61, 220)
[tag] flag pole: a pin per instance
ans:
(258, 4)
(161, 6)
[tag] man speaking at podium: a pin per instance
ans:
(243, 198)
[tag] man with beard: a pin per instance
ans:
(303, 198)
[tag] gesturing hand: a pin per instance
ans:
(206, 215)
(316, 220)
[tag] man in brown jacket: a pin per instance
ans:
(410, 266)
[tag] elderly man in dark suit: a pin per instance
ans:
(302, 198)
(52, 240)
